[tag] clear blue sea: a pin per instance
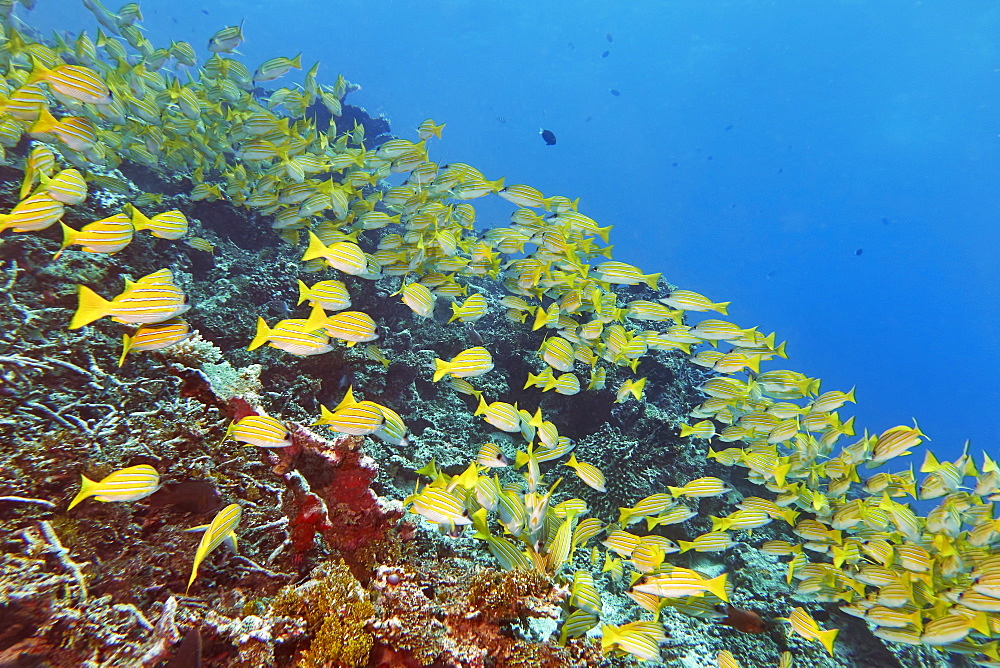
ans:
(830, 167)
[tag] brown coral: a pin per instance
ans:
(336, 611)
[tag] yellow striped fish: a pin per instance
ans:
(687, 300)
(166, 225)
(501, 415)
(329, 295)
(292, 336)
(588, 473)
(277, 67)
(74, 81)
(420, 300)
(358, 419)
(68, 186)
(108, 235)
(806, 626)
(558, 353)
(469, 363)
(260, 430)
(128, 484)
(140, 303)
(343, 255)
(222, 529)
(471, 310)
(155, 336)
(34, 213)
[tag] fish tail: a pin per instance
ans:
(455, 308)
(827, 638)
(315, 249)
(139, 220)
(652, 280)
(532, 378)
(303, 292)
(29, 181)
(719, 523)
(92, 307)
(87, 488)
(69, 238)
(46, 122)
(721, 307)
(440, 369)
(603, 232)
(126, 346)
(685, 545)
(624, 515)
(675, 491)
(38, 72)
(718, 587)
(317, 316)
(263, 334)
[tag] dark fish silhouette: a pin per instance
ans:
(192, 496)
(743, 620)
(188, 652)
(859, 251)
(610, 38)
(549, 137)
(614, 91)
(605, 54)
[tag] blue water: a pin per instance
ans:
(754, 150)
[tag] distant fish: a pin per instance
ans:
(227, 39)
(859, 251)
(605, 54)
(743, 620)
(614, 91)
(191, 496)
(610, 38)
(189, 651)
(549, 137)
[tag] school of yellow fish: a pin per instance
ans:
(929, 579)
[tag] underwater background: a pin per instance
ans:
(435, 416)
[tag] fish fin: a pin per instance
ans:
(126, 346)
(440, 369)
(69, 238)
(87, 488)
(718, 587)
(315, 249)
(826, 638)
(92, 307)
(303, 292)
(263, 333)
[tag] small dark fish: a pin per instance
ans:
(859, 251)
(474, 335)
(501, 119)
(885, 221)
(605, 54)
(188, 652)
(610, 38)
(549, 137)
(191, 496)
(743, 620)
(729, 127)
(614, 91)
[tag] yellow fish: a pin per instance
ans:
(222, 529)
(128, 484)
